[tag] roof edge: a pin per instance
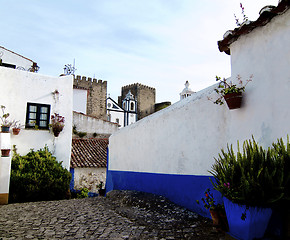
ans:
(267, 13)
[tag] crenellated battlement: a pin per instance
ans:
(96, 99)
(82, 80)
(137, 85)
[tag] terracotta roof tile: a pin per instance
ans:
(266, 15)
(89, 153)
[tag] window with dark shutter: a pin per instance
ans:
(37, 116)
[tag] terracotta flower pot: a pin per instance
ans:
(215, 217)
(16, 131)
(5, 152)
(56, 132)
(233, 100)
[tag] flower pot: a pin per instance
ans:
(255, 224)
(215, 217)
(16, 131)
(56, 132)
(233, 100)
(219, 219)
(5, 152)
(5, 129)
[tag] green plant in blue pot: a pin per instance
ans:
(251, 182)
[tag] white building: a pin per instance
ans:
(14, 60)
(32, 98)
(114, 112)
(123, 116)
(130, 109)
(80, 99)
(171, 151)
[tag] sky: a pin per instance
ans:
(158, 43)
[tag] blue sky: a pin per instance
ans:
(159, 43)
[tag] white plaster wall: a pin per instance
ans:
(119, 115)
(89, 178)
(18, 88)
(132, 118)
(80, 100)
(185, 137)
(89, 124)
(15, 59)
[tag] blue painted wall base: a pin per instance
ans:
(183, 190)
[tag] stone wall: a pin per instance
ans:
(145, 98)
(96, 100)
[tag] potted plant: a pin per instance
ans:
(5, 126)
(251, 181)
(230, 92)
(102, 191)
(5, 152)
(16, 127)
(57, 124)
(217, 211)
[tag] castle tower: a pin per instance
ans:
(129, 105)
(96, 97)
(186, 92)
(145, 98)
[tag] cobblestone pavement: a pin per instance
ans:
(121, 216)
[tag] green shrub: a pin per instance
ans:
(284, 154)
(37, 176)
(254, 177)
(83, 193)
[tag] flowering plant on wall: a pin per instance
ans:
(57, 124)
(6, 123)
(229, 91)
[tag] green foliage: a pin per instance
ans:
(37, 176)
(284, 154)
(82, 134)
(254, 177)
(83, 193)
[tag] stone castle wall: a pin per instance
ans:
(96, 101)
(145, 98)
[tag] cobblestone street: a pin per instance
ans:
(121, 216)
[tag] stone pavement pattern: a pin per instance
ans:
(121, 215)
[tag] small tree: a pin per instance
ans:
(37, 176)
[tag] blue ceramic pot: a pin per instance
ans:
(255, 224)
(5, 129)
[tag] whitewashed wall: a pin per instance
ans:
(18, 88)
(85, 123)
(15, 59)
(80, 100)
(171, 151)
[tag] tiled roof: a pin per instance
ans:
(89, 153)
(266, 15)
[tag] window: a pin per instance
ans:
(132, 106)
(37, 115)
(117, 120)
